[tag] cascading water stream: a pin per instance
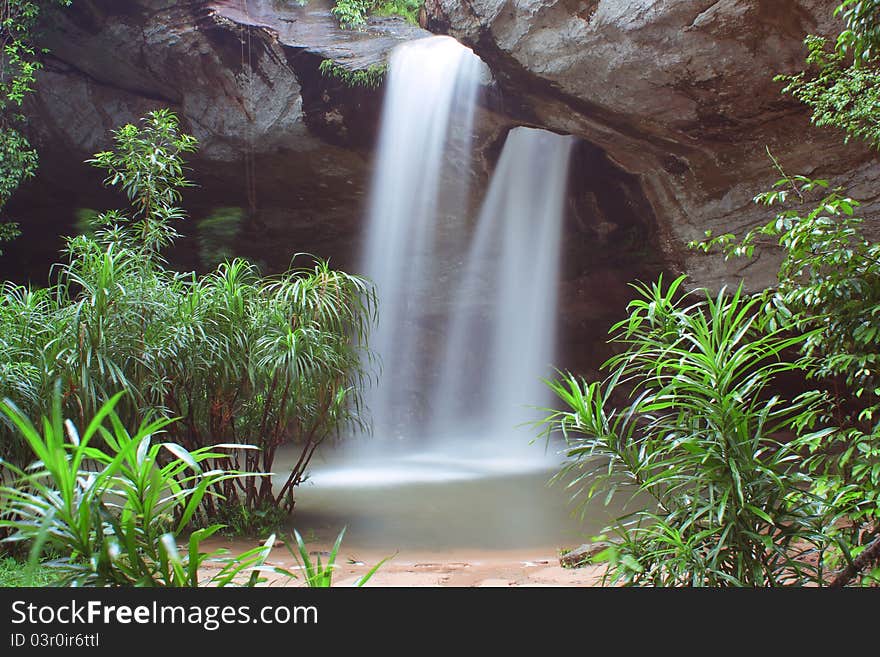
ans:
(420, 183)
(466, 326)
(463, 349)
(503, 325)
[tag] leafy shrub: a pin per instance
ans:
(829, 279)
(812, 462)
(19, 62)
(829, 292)
(370, 77)
(841, 95)
(408, 9)
(258, 519)
(841, 85)
(701, 439)
(116, 511)
(352, 14)
(862, 33)
(240, 358)
(147, 166)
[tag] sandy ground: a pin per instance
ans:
(453, 568)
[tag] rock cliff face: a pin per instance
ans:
(674, 101)
(244, 75)
(275, 134)
(678, 93)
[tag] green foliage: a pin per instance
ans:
(841, 95)
(238, 357)
(689, 420)
(19, 64)
(829, 281)
(319, 575)
(272, 360)
(352, 14)
(829, 291)
(15, 573)
(8, 231)
(19, 56)
(116, 511)
(148, 166)
(18, 161)
(408, 9)
(27, 318)
(371, 77)
(862, 34)
(241, 520)
(842, 86)
(829, 278)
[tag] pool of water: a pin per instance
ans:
(443, 499)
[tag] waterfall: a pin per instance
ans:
(466, 327)
(503, 324)
(467, 323)
(418, 202)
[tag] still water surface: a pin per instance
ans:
(443, 499)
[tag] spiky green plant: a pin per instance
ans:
(319, 574)
(690, 422)
(239, 357)
(115, 504)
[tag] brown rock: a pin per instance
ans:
(290, 145)
(679, 93)
(583, 555)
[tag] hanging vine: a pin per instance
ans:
(247, 68)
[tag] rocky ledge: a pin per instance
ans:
(275, 133)
(678, 93)
(674, 101)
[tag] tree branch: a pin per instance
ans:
(868, 556)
